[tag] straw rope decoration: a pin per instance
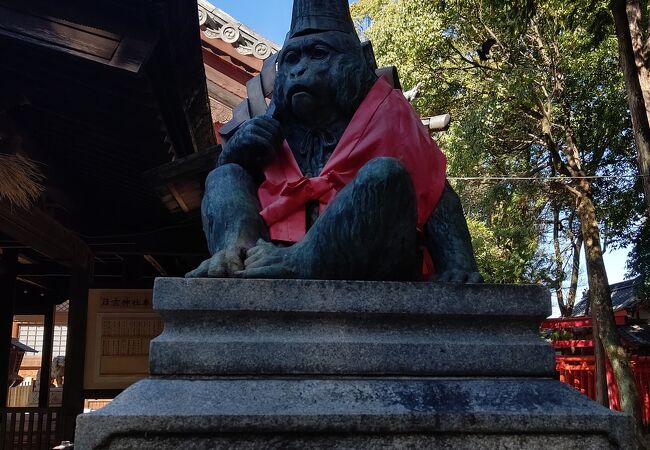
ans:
(20, 180)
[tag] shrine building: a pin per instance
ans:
(109, 112)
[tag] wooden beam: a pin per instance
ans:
(227, 68)
(59, 33)
(128, 52)
(222, 95)
(184, 168)
(578, 322)
(183, 179)
(33, 283)
(178, 197)
(7, 294)
(45, 235)
(574, 343)
(156, 265)
(228, 49)
(225, 82)
(184, 45)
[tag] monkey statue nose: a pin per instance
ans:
(298, 72)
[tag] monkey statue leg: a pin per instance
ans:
(231, 221)
(449, 242)
(368, 232)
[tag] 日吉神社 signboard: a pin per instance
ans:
(121, 323)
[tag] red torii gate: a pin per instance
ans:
(579, 371)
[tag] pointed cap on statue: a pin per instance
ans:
(313, 16)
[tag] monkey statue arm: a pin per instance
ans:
(230, 208)
(449, 242)
(253, 145)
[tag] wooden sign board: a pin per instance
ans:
(121, 323)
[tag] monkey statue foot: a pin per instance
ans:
(457, 276)
(269, 260)
(223, 264)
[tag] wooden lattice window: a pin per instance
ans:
(32, 336)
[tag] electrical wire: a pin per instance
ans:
(540, 179)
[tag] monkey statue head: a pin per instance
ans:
(323, 72)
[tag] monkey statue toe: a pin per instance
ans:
(340, 181)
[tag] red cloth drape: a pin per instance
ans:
(385, 125)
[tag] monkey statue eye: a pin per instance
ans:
(291, 57)
(319, 52)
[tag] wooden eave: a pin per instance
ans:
(227, 71)
(111, 89)
(229, 63)
(179, 183)
(116, 39)
(125, 49)
(45, 235)
(250, 62)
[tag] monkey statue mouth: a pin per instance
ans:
(302, 96)
(303, 103)
(311, 105)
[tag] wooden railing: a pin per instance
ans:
(19, 395)
(30, 428)
(579, 372)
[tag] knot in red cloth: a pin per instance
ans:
(297, 193)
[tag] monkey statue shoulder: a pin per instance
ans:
(342, 181)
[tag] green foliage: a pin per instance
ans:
(561, 334)
(545, 64)
(501, 256)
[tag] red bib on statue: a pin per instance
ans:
(385, 125)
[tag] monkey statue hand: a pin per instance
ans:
(253, 145)
(449, 242)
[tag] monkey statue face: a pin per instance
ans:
(322, 79)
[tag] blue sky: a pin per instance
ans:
(272, 18)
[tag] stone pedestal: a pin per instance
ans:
(256, 364)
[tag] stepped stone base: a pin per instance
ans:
(352, 414)
(343, 365)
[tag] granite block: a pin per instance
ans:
(288, 364)
(297, 327)
(352, 413)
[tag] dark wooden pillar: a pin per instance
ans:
(46, 358)
(73, 396)
(7, 306)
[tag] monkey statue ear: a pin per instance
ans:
(369, 55)
(389, 73)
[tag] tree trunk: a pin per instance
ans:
(602, 311)
(640, 46)
(600, 368)
(575, 274)
(635, 94)
(559, 272)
